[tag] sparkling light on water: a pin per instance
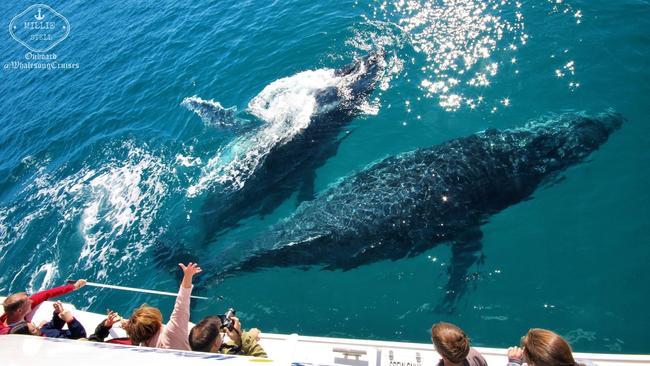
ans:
(464, 45)
(459, 40)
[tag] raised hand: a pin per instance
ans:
(112, 318)
(58, 307)
(66, 315)
(235, 333)
(254, 333)
(188, 272)
(515, 354)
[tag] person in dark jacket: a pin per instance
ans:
(26, 328)
(61, 317)
(103, 329)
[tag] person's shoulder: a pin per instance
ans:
(475, 358)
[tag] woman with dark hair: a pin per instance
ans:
(541, 347)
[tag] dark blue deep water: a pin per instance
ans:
(101, 165)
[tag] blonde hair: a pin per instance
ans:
(450, 341)
(545, 348)
(144, 323)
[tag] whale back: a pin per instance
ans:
(405, 204)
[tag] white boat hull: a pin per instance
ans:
(282, 349)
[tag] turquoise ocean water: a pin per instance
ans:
(99, 164)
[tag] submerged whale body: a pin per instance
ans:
(302, 117)
(406, 204)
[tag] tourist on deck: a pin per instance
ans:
(61, 317)
(21, 308)
(26, 328)
(206, 337)
(453, 346)
(103, 329)
(541, 347)
(145, 327)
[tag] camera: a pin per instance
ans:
(226, 319)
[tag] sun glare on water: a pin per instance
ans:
(461, 41)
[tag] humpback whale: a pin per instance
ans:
(302, 121)
(405, 204)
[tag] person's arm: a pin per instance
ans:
(57, 322)
(103, 329)
(250, 347)
(235, 345)
(515, 356)
(243, 343)
(39, 297)
(76, 329)
(101, 332)
(175, 333)
(45, 295)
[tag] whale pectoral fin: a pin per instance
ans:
(466, 251)
(553, 180)
(214, 114)
(307, 191)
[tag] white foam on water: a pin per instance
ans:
(121, 200)
(112, 207)
(286, 106)
(42, 277)
(5, 230)
(187, 161)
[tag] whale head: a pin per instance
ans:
(571, 139)
(361, 76)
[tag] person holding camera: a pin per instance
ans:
(206, 337)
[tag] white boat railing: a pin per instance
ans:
(284, 349)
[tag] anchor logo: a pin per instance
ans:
(39, 16)
(39, 35)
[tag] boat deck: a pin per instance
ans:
(292, 349)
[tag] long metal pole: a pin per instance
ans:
(133, 289)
